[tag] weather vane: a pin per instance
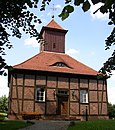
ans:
(53, 9)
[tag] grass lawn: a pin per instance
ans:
(13, 125)
(94, 125)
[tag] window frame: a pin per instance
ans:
(38, 96)
(84, 96)
(63, 92)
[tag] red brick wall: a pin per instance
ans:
(51, 81)
(40, 107)
(74, 108)
(63, 82)
(51, 107)
(94, 108)
(23, 93)
(51, 94)
(74, 83)
(29, 80)
(83, 83)
(41, 80)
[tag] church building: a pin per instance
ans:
(53, 85)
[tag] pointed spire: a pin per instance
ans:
(55, 25)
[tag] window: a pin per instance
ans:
(54, 45)
(60, 64)
(83, 96)
(62, 92)
(40, 94)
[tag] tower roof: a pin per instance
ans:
(55, 25)
(52, 25)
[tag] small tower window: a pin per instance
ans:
(54, 45)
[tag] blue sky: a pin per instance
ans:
(84, 41)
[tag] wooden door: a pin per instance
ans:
(62, 105)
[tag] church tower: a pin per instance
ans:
(53, 36)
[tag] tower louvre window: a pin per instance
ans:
(54, 45)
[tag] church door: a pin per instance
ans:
(62, 105)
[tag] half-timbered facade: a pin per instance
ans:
(53, 85)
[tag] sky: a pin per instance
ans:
(85, 41)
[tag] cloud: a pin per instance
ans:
(98, 14)
(57, 6)
(53, 10)
(31, 42)
(4, 90)
(72, 51)
(49, 14)
(92, 53)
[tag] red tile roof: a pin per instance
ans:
(45, 61)
(55, 25)
(52, 25)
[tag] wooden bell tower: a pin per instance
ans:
(53, 36)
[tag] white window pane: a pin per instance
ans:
(83, 96)
(40, 94)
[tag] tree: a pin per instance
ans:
(108, 6)
(3, 104)
(15, 14)
(111, 110)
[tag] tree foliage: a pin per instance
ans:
(15, 14)
(108, 6)
(3, 104)
(111, 110)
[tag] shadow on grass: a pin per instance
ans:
(14, 125)
(93, 125)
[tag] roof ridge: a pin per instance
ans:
(55, 52)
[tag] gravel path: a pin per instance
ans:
(48, 125)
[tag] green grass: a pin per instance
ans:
(13, 125)
(93, 125)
